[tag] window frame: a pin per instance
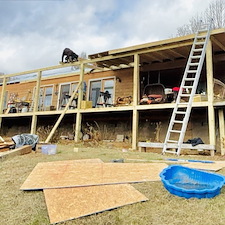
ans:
(59, 105)
(44, 87)
(102, 89)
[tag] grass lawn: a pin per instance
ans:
(28, 207)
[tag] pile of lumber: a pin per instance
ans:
(5, 146)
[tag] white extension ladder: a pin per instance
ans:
(181, 112)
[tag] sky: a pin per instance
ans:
(33, 33)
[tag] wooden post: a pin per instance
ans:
(3, 93)
(35, 103)
(80, 98)
(136, 96)
(222, 131)
(210, 85)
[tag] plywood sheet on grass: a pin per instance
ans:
(70, 203)
(46, 175)
(221, 163)
(204, 166)
(72, 161)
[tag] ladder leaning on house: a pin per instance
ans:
(181, 112)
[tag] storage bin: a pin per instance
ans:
(48, 149)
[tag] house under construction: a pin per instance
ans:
(128, 93)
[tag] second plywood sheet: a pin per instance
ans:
(204, 166)
(49, 175)
(70, 203)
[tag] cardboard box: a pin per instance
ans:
(200, 98)
(86, 104)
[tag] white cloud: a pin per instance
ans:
(33, 34)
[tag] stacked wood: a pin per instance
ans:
(5, 146)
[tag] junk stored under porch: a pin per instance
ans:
(152, 126)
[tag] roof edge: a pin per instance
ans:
(159, 43)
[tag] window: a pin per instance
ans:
(5, 104)
(45, 99)
(66, 90)
(98, 86)
(95, 88)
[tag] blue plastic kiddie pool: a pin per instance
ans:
(191, 183)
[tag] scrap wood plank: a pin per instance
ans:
(18, 151)
(4, 149)
(49, 175)
(69, 203)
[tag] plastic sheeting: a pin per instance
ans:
(25, 139)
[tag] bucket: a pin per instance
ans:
(48, 149)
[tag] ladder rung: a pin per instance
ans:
(183, 103)
(192, 71)
(185, 95)
(171, 141)
(180, 112)
(198, 50)
(195, 57)
(200, 43)
(175, 131)
(189, 79)
(201, 31)
(201, 36)
(187, 87)
(174, 152)
(178, 121)
(194, 64)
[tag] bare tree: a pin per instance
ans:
(215, 13)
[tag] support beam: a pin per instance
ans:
(62, 114)
(78, 127)
(209, 76)
(33, 128)
(80, 98)
(136, 97)
(35, 103)
(135, 129)
(177, 54)
(222, 131)
(219, 44)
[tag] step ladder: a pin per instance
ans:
(181, 112)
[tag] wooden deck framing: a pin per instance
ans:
(131, 57)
